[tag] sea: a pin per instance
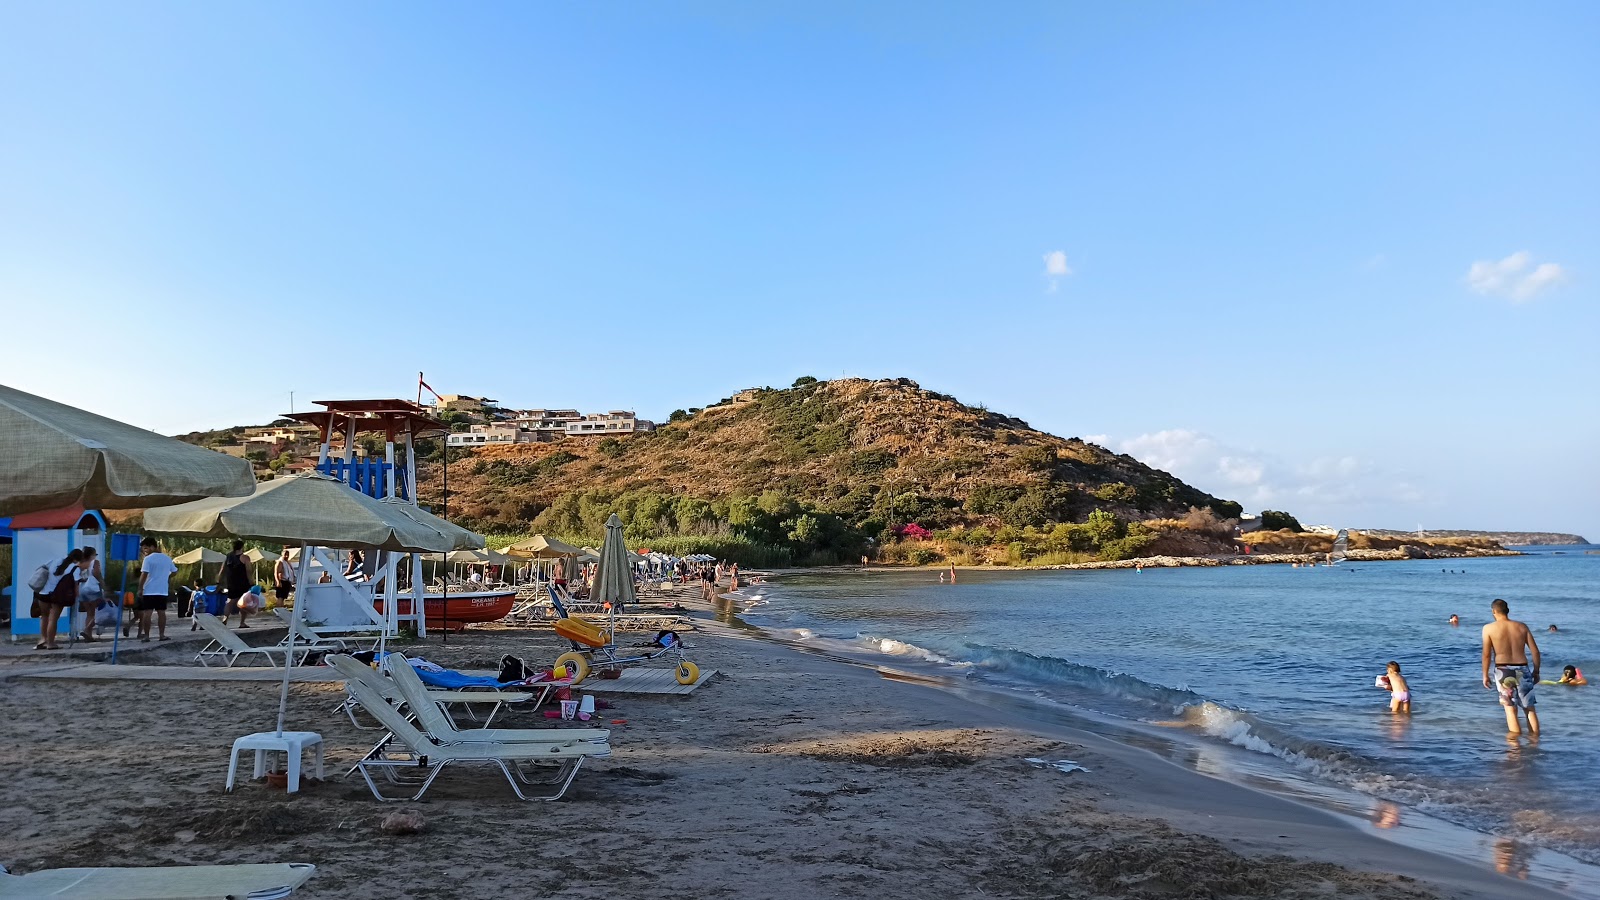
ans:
(1274, 662)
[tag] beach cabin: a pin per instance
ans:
(37, 539)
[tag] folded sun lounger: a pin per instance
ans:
(255, 882)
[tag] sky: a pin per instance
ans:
(1337, 259)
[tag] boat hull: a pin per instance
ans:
(464, 609)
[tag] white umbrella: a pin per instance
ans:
(53, 455)
(200, 555)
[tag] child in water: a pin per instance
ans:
(1399, 691)
(1571, 676)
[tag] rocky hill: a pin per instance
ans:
(820, 467)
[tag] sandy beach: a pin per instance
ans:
(787, 775)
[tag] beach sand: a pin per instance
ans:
(787, 775)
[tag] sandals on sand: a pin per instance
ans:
(163, 638)
(43, 646)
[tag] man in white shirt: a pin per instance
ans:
(155, 579)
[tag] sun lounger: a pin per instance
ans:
(256, 882)
(436, 723)
(419, 758)
(497, 700)
(311, 640)
(229, 647)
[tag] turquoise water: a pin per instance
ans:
(1273, 659)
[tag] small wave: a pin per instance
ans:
(1051, 671)
(892, 647)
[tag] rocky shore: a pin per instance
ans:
(1408, 551)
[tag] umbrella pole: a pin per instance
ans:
(294, 627)
(122, 611)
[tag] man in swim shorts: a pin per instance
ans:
(1504, 643)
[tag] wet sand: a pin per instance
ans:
(786, 776)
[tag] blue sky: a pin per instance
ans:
(1333, 258)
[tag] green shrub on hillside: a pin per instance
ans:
(1276, 520)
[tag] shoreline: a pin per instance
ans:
(1404, 828)
(789, 775)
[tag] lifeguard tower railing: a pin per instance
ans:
(369, 476)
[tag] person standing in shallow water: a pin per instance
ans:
(1504, 643)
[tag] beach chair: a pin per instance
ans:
(420, 757)
(229, 647)
(305, 636)
(256, 882)
(434, 720)
(353, 670)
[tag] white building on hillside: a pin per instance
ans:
(546, 424)
(498, 433)
(617, 421)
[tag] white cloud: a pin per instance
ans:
(1331, 485)
(1509, 277)
(1055, 267)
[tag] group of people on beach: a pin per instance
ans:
(1508, 647)
(708, 575)
(75, 582)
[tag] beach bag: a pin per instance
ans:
(65, 593)
(40, 577)
(106, 616)
(512, 669)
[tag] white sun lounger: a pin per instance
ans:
(353, 670)
(255, 882)
(421, 757)
(305, 635)
(434, 721)
(230, 648)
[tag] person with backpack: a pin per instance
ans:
(236, 583)
(56, 593)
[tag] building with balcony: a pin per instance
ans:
(617, 421)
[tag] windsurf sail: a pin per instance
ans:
(1341, 548)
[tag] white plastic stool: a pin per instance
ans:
(292, 743)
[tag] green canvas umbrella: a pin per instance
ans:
(613, 580)
(317, 511)
(313, 511)
(53, 455)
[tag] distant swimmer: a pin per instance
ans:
(1571, 676)
(952, 573)
(1504, 643)
(1552, 629)
(941, 576)
(1399, 692)
(1455, 619)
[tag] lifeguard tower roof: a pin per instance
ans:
(392, 416)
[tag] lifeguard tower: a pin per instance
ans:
(346, 604)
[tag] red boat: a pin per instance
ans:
(464, 609)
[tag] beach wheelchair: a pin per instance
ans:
(594, 649)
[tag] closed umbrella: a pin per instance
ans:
(613, 580)
(53, 455)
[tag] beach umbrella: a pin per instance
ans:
(613, 581)
(313, 511)
(541, 547)
(316, 511)
(53, 455)
(258, 555)
(200, 555)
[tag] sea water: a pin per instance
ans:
(1277, 660)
